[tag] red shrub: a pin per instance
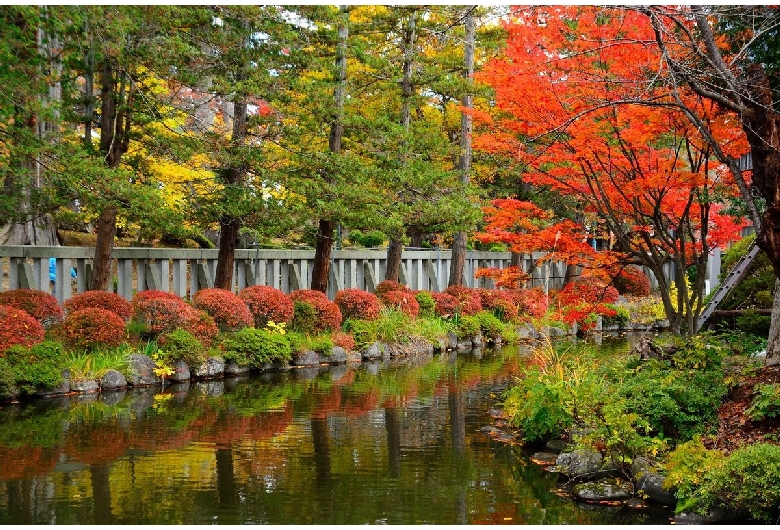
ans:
(469, 300)
(225, 307)
(531, 302)
(18, 327)
(588, 290)
(100, 300)
(632, 281)
(201, 325)
(267, 304)
(328, 314)
(357, 304)
(402, 301)
(160, 311)
(500, 302)
(91, 327)
(343, 340)
(585, 315)
(389, 285)
(40, 305)
(446, 304)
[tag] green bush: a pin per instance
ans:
(392, 326)
(304, 317)
(39, 366)
(427, 304)
(686, 467)
(538, 407)
(489, 324)
(766, 402)
(747, 483)
(363, 331)
(621, 318)
(7, 380)
(753, 323)
(181, 344)
(300, 343)
(468, 326)
(369, 239)
(256, 347)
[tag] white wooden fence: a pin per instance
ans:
(185, 271)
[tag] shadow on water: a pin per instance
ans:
(394, 442)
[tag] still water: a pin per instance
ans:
(381, 443)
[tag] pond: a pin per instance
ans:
(394, 442)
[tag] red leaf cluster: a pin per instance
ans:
(469, 299)
(91, 327)
(267, 304)
(328, 314)
(389, 285)
(586, 290)
(40, 305)
(632, 281)
(446, 304)
(403, 301)
(225, 307)
(357, 304)
(499, 301)
(100, 300)
(160, 311)
(343, 340)
(18, 327)
(201, 325)
(531, 302)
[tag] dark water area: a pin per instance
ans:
(394, 442)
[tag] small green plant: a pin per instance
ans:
(85, 366)
(427, 304)
(686, 468)
(766, 402)
(621, 318)
(39, 366)
(392, 326)
(162, 365)
(431, 329)
(490, 325)
(181, 344)
(363, 331)
(300, 342)
(304, 316)
(7, 380)
(468, 326)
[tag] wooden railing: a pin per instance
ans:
(185, 271)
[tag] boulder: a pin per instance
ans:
(526, 331)
(233, 369)
(141, 369)
(307, 358)
(181, 372)
(651, 485)
(88, 386)
(713, 516)
(113, 380)
(452, 340)
(584, 464)
(544, 459)
(376, 350)
(603, 490)
(62, 388)
(213, 367)
(338, 355)
(556, 445)
(477, 341)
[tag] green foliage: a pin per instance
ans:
(256, 347)
(747, 483)
(686, 467)
(467, 326)
(697, 352)
(539, 407)
(738, 342)
(85, 366)
(427, 304)
(766, 402)
(304, 317)
(755, 290)
(300, 342)
(432, 329)
(39, 366)
(620, 319)
(370, 239)
(489, 324)
(181, 344)
(363, 331)
(751, 322)
(7, 380)
(392, 326)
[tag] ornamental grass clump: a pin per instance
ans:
(225, 307)
(357, 304)
(402, 301)
(40, 305)
(17, 327)
(100, 300)
(267, 304)
(326, 314)
(91, 328)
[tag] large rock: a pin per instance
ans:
(181, 371)
(584, 464)
(141, 370)
(307, 358)
(113, 380)
(603, 490)
(713, 516)
(376, 350)
(88, 386)
(213, 367)
(338, 355)
(234, 369)
(526, 331)
(452, 340)
(651, 485)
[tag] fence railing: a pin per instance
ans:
(185, 271)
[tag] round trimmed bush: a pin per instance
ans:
(389, 285)
(402, 301)
(160, 311)
(357, 304)
(267, 304)
(101, 300)
(181, 344)
(327, 315)
(588, 290)
(90, 328)
(343, 340)
(18, 327)
(632, 281)
(531, 302)
(225, 307)
(40, 305)
(200, 325)
(469, 300)
(426, 303)
(500, 303)
(446, 304)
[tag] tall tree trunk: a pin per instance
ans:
(229, 225)
(324, 240)
(464, 165)
(394, 253)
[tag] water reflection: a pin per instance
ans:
(385, 442)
